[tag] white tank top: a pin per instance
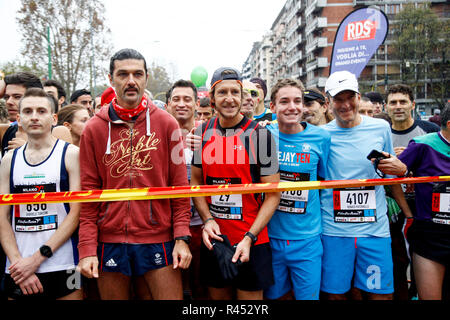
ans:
(34, 224)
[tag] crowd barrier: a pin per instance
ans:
(199, 191)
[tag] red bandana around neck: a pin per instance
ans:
(129, 114)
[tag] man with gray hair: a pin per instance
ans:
(356, 238)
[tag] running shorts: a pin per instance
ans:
(56, 285)
(430, 240)
(134, 259)
(367, 260)
(297, 266)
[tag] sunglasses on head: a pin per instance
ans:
(253, 93)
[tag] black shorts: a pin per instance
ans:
(255, 275)
(56, 285)
(430, 240)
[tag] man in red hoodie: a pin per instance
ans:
(133, 144)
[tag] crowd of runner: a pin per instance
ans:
(367, 242)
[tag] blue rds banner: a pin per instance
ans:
(358, 37)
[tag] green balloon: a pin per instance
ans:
(199, 76)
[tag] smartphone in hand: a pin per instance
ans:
(376, 154)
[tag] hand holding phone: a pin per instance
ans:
(374, 154)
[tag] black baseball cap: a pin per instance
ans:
(310, 95)
(225, 73)
(79, 93)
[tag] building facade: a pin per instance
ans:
(300, 43)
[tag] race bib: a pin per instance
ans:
(225, 206)
(35, 217)
(355, 205)
(294, 201)
(36, 224)
(440, 204)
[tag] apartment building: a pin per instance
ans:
(302, 38)
(300, 44)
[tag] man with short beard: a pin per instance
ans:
(316, 108)
(235, 150)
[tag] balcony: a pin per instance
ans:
(320, 62)
(300, 39)
(296, 73)
(299, 73)
(318, 82)
(317, 43)
(311, 66)
(317, 23)
(295, 41)
(295, 58)
(315, 6)
(292, 13)
(279, 53)
(292, 44)
(298, 6)
(292, 29)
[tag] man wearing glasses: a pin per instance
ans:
(261, 112)
(356, 238)
(251, 99)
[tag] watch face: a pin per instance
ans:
(46, 251)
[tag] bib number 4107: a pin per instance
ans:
(357, 198)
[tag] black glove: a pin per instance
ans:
(224, 252)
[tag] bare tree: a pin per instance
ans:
(78, 36)
(158, 81)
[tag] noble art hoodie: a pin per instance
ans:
(115, 155)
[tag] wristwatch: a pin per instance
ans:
(46, 251)
(251, 236)
(186, 239)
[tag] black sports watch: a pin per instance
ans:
(46, 251)
(251, 236)
(186, 239)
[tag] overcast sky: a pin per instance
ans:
(178, 34)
